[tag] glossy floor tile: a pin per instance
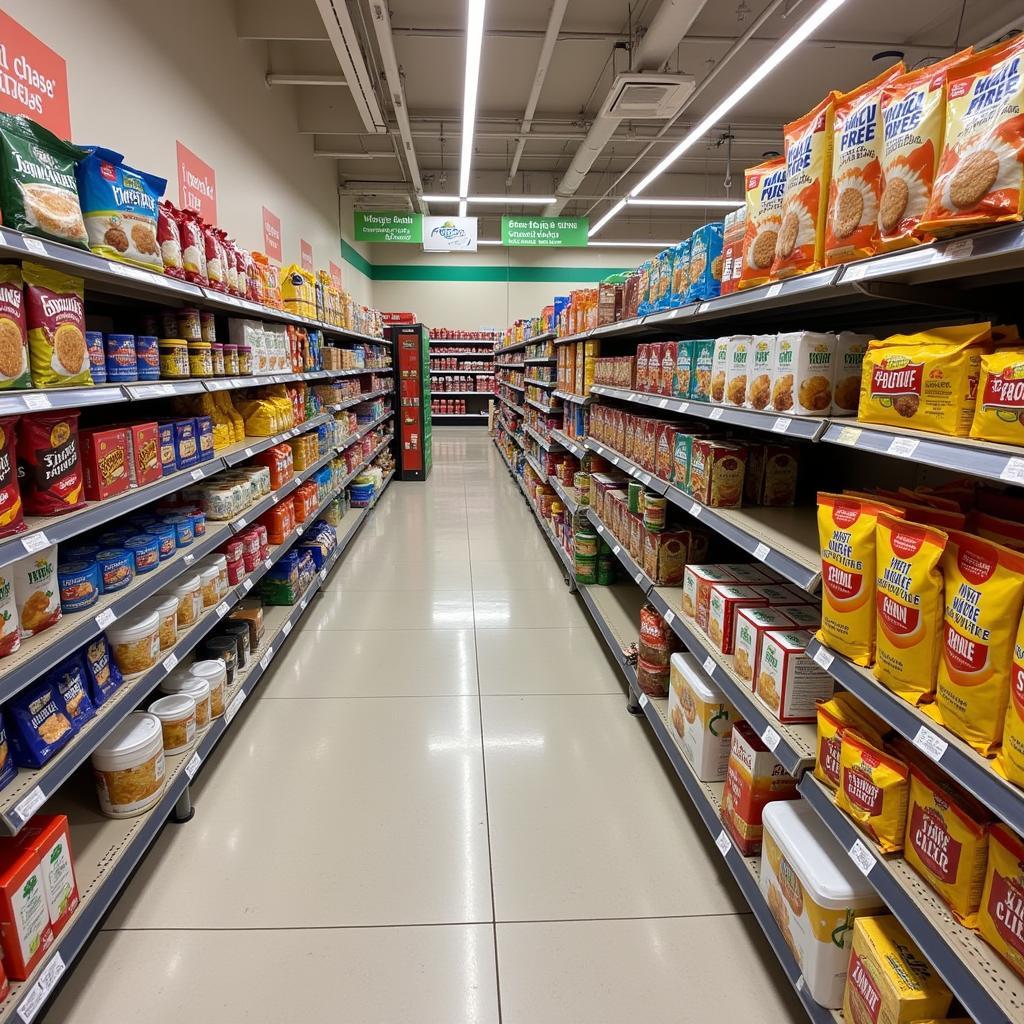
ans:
(349, 609)
(528, 609)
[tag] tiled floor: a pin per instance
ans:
(435, 811)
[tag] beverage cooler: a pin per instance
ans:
(411, 346)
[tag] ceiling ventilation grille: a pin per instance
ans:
(653, 96)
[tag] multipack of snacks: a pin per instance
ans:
(874, 788)
(765, 189)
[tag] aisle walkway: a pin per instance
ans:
(443, 746)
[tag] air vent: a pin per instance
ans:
(639, 95)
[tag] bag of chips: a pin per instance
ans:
(71, 686)
(765, 187)
(705, 263)
(1008, 532)
(10, 624)
(49, 463)
(999, 414)
(103, 675)
(839, 712)
(1001, 913)
(13, 338)
(874, 789)
(55, 316)
(38, 725)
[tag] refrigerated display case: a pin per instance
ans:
(411, 345)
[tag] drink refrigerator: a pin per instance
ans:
(411, 346)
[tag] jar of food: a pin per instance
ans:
(117, 569)
(189, 593)
(173, 359)
(166, 606)
(244, 359)
(168, 322)
(120, 357)
(208, 326)
(97, 356)
(200, 359)
(164, 535)
(586, 543)
(198, 689)
(129, 766)
(231, 359)
(198, 517)
(135, 643)
(177, 714)
(220, 563)
(183, 535)
(218, 359)
(215, 674)
(225, 648)
(190, 324)
(236, 571)
(210, 590)
(654, 510)
(147, 357)
(146, 549)
(240, 631)
(79, 584)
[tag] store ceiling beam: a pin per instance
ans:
(339, 154)
(270, 19)
(289, 78)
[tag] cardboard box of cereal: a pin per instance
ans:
(724, 601)
(788, 681)
(752, 622)
(697, 583)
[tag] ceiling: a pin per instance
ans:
(595, 40)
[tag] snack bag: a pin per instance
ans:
(913, 109)
(765, 186)
(12, 519)
(13, 339)
(846, 534)
(855, 187)
(762, 371)
(908, 605)
(36, 592)
(55, 317)
(680, 273)
(37, 725)
(998, 414)
(1001, 914)
(705, 267)
(848, 366)
(168, 237)
(800, 245)
(737, 368)
(984, 585)
(980, 178)
(193, 246)
(874, 789)
(49, 464)
(927, 380)
(841, 711)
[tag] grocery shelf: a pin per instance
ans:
(509, 384)
(539, 438)
(567, 495)
(251, 446)
(463, 373)
(460, 394)
(506, 366)
(616, 613)
(462, 341)
(640, 578)
(517, 345)
(535, 465)
(546, 409)
(540, 361)
(458, 415)
(568, 443)
(518, 409)
(539, 383)
(974, 972)
(805, 428)
(649, 481)
(356, 399)
(570, 396)
(462, 355)
(794, 745)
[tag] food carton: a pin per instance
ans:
(716, 473)
(684, 368)
(665, 555)
(752, 622)
(145, 464)
(697, 583)
(25, 931)
(770, 476)
(804, 616)
(737, 369)
(703, 365)
(723, 603)
(788, 681)
(105, 469)
(668, 368)
(49, 836)
(664, 451)
(748, 572)
(701, 718)
(655, 351)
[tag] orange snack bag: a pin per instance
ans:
(984, 585)
(840, 712)
(908, 603)
(980, 179)
(801, 242)
(1001, 914)
(1010, 762)
(765, 185)
(874, 789)
(1008, 532)
(913, 109)
(846, 536)
(855, 187)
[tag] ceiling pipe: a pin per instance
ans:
(361, 154)
(382, 29)
(543, 63)
(667, 28)
(284, 78)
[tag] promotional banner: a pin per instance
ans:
(544, 231)
(335, 271)
(271, 234)
(388, 227)
(197, 184)
(306, 255)
(33, 79)
(449, 234)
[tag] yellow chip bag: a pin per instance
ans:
(984, 585)
(999, 414)
(765, 185)
(1010, 762)
(834, 715)
(947, 841)
(908, 606)
(1001, 914)
(846, 535)
(927, 381)
(874, 789)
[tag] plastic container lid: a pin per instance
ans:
(198, 689)
(209, 573)
(134, 627)
(213, 670)
(690, 669)
(163, 604)
(821, 864)
(173, 707)
(189, 585)
(220, 561)
(133, 742)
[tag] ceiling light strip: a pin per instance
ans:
(474, 44)
(730, 204)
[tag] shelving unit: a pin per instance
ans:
(476, 401)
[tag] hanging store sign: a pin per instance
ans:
(388, 227)
(306, 255)
(449, 234)
(197, 184)
(33, 79)
(271, 234)
(544, 231)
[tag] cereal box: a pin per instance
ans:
(751, 623)
(754, 778)
(770, 476)
(725, 600)
(664, 451)
(665, 555)
(761, 371)
(849, 362)
(719, 369)
(800, 245)
(789, 682)
(683, 379)
(874, 789)
(803, 616)
(748, 572)
(804, 368)
(105, 463)
(703, 367)
(701, 718)
(25, 930)
(642, 361)
(697, 583)
(716, 473)
(654, 353)
(737, 369)
(765, 189)
(668, 368)
(1001, 912)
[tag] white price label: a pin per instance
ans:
(33, 245)
(304, 602)
(287, 627)
(781, 424)
(192, 765)
(616, 550)
(323, 574)
(248, 453)
(645, 479)
(247, 584)
(929, 743)
(801, 984)
(770, 738)
(267, 563)
(644, 700)
(222, 609)
(958, 250)
(615, 460)
(670, 617)
(105, 618)
(703, 307)
(265, 660)
(824, 658)
(849, 435)
(632, 396)
(723, 842)
(196, 474)
(695, 509)
(35, 542)
(639, 577)
(775, 289)
(240, 522)
(1013, 471)
(600, 529)
(28, 805)
(709, 665)
(762, 551)
(855, 273)
(600, 450)
(663, 403)
(232, 709)
(170, 662)
(716, 413)
(36, 401)
(862, 857)
(903, 446)
(29, 1006)
(190, 558)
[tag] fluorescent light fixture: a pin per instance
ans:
(730, 204)
(474, 44)
(524, 200)
(620, 205)
(488, 241)
(440, 199)
(631, 245)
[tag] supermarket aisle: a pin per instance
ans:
(443, 746)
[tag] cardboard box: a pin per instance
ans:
(667, 377)
(25, 930)
(716, 473)
(664, 450)
(751, 625)
(747, 572)
(145, 464)
(789, 683)
(643, 355)
(770, 477)
(49, 836)
(697, 583)
(684, 369)
(104, 455)
(804, 616)
(724, 600)
(665, 556)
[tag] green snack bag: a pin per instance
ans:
(683, 379)
(700, 375)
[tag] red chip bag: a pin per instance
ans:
(215, 258)
(12, 519)
(49, 466)
(168, 237)
(193, 246)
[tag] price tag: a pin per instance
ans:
(192, 765)
(33, 245)
(190, 558)
(770, 738)
(663, 403)
(855, 273)
(904, 447)
(615, 460)
(639, 578)
(723, 842)
(267, 563)
(169, 662)
(849, 435)
(781, 424)
(247, 584)
(1013, 471)
(600, 450)
(287, 627)
(35, 542)
(775, 289)
(616, 550)
(824, 658)
(248, 453)
(670, 617)
(703, 307)
(716, 413)
(240, 522)
(323, 574)
(709, 665)
(695, 509)
(232, 709)
(29, 1006)
(222, 609)
(929, 743)
(28, 805)
(196, 474)
(105, 618)
(682, 406)
(600, 529)
(958, 250)
(304, 602)
(762, 551)
(644, 700)
(36, 401)
(631, 398)
(800, 984)
(862, 857)
(265, 660)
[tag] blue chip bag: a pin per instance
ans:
(644, 288)
(8, 769)
(71, 683)
(38, 724)
(680, 274)
(119, 205)
(102, 675)
(705, 263)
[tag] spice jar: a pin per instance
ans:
(173, 359)
(177, 714)
(240, 632)
(200, 358)
(129, 766)
(244, 359)
(231, 360)
(210, 589)
(218, 359)
(190, 324)
(207, 326)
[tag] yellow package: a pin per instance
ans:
(765, 186)
(928, 381)
(260, 417)
(55, 318)
(888, 980)
(846, 535)
(842, 711)
(801, 243)
(1010, 762)
(223, 402)
(874, 789)
(984, 585)
(947, 841)
(999, 414)
(1001, 913)
(908, 606)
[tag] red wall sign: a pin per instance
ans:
(306, 252)
(197, 184)
(271, 234)
(335, 271)
(33, 79)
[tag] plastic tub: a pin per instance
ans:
(701, 718)
(189, 593)
(220, 563)
(147, 357)
(166, 606)
(129, 766)
(182, 525)
(135, 643)
(215, 672)
(117, 569)
(177, 714)
(240, 632)
(226, 649)
(209, 581)
(196, 688)
(79, 584)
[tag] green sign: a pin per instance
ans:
(388, 227)
(552, 231)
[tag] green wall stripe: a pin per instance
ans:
(457, 272)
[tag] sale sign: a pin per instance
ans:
(271, 234)
(33, 79)
(306, 255)
(335, 272)
(197, 184)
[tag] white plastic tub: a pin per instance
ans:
(198, 690)
(215, 673)
(129, 766)
(177, 714)
(135, 643)
(700, 717)
(166, 606)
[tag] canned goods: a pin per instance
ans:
(120, 358)
(189, 324)
(97, 357)
(586, 543)
(173, 359)
(654, 511)
(147, 357)
(634, 497)
(586, 568)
